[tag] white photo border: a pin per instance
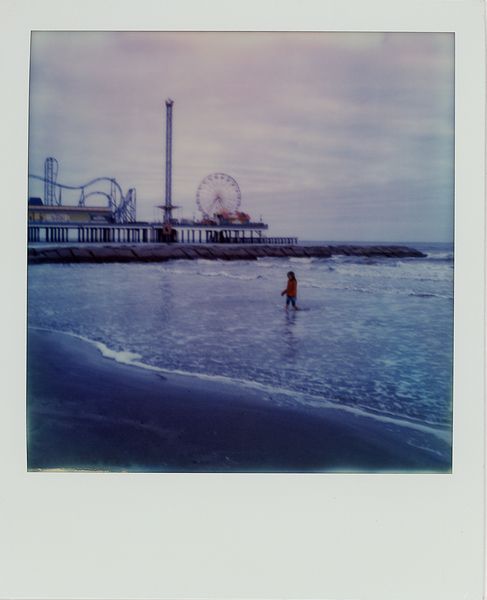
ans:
(246, 535)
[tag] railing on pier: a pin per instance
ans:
(224, 237)
(118, 233)
(90, 233)
(279, 240)
(115, 234)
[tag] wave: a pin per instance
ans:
(420, 295)
(301, 260)
(127, 358)
(373, 290)
(440, 256)
(229, 275)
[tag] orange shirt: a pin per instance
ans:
(292, 288)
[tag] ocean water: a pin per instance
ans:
(373, 336)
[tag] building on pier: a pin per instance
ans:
(39, 213)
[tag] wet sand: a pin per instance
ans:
(85, 411)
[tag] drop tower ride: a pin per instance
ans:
(168, 205)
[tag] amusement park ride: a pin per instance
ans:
(218, 198)
(122, 209)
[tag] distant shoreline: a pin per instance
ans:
(108, 253)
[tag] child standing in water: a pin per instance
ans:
(291, 291)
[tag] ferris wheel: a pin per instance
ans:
(217, 193)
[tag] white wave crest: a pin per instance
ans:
(301, 260)
(125, 357)
(230, 275)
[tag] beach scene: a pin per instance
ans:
(175, 181)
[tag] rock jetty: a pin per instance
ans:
(164, 252)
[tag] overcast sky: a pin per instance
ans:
(330, 136)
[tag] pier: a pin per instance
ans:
(113, 233)
(90, 233)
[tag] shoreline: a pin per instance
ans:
(90, 413)
(86, 253)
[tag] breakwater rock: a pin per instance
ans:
(164, 252)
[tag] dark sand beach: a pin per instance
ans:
(85, 411)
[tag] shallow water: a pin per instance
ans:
(373, 335)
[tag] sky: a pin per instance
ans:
(330, 136)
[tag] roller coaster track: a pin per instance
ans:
(123, 211)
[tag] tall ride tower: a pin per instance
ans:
(50, 175)
(168, 206)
